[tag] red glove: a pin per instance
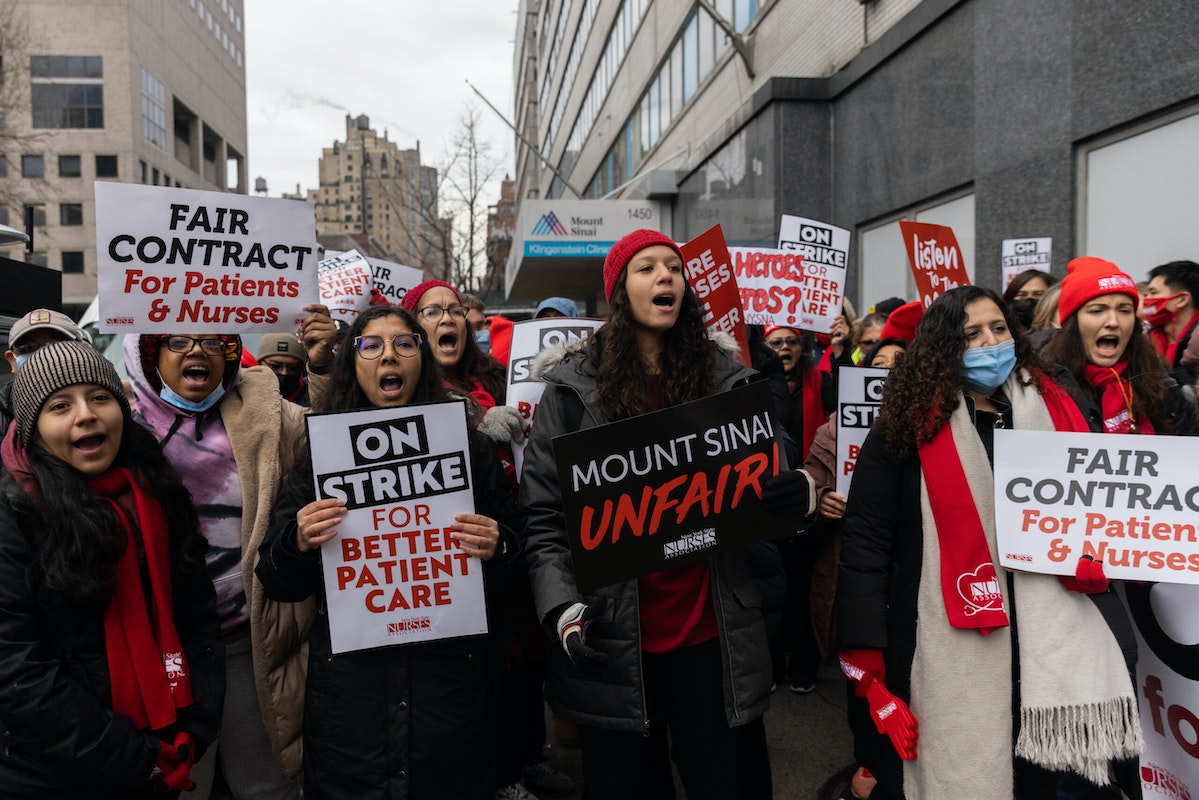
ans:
(862, 667)
(866, 670)
(173, 764)
(1088, 577)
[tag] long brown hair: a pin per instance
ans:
(926, 385)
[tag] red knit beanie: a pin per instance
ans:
(413, 295)
(1088, 278)
(623, 251)
(772, 328)
(902, 322)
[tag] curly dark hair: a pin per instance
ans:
(81, 540)
(344, 392)
(925, 386)
(1145, 370)
(686, 361)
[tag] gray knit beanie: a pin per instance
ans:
(55, 366)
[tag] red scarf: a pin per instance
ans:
(1116, 399)
(967, 570)
(146, 666)
(813, 407)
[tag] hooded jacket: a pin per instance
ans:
(263, 430)
(614, 698)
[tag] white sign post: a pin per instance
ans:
(859, 397)
(1129, 501)
(529, 338)
(182, 260)
(394, 574)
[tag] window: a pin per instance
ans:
(37, 259)
(106, 167)
(72, 262)
(154, 176)
(33, 167)
(39, 214)
(143, 171)
(70, 166)
(4, 215)
(3, 166)
(67, 91)
(70, 214)
(154, 111)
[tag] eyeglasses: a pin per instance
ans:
(405, 345)
(184, 344)
(435, 313)
(283, 367)
(779, 344)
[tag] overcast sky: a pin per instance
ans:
(403, 63)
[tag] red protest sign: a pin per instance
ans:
(935, 259)
(710, 273)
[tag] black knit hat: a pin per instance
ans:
(55, 366)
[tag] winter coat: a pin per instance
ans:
(61, 738)
(408, 722)
(614, 698)
(1178, 418)
(264, 431)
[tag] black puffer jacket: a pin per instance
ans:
(614, 698)
(60, 737)
(409, 722)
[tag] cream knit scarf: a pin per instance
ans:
(1078, 708)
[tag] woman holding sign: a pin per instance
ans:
(111, 666)
(412, 721)
(682, 650)
(1010, 678)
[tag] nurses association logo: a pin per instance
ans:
(549, 224)
(980, 589)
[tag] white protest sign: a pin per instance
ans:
(818, 242)
(781, 288)
(394, 574)
(1129, 501)
(1163, 616)
(394, 280)
(182, 260)
(859, 397)
(1019, 255)
(529, 338)
(345, 281)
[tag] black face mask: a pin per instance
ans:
(289, 383)
(1024, 310)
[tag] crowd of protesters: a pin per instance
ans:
(163, 625)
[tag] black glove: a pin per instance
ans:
(789, 494)
(568, 624)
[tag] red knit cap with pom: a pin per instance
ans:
(1088, 278)
(623, 251)
(902, 322)
(413, 295)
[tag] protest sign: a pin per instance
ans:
(670, 487)
(345, 282)
(1126, 500)
(859, 397)
(394, 574)
(182, 260)
(781, 288)
(394, 280)
(1167, 628)
(818, 242)
(935, 258)
(1021, 254)
(710, 273)
(529, 338)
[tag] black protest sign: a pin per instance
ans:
(670, 487)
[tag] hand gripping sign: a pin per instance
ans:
(394, 574)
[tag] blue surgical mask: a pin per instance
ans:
(483, 337)
(988, 367)
(166, 393)
(21, 359)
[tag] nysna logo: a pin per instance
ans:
(549, 224)
(980, 589)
